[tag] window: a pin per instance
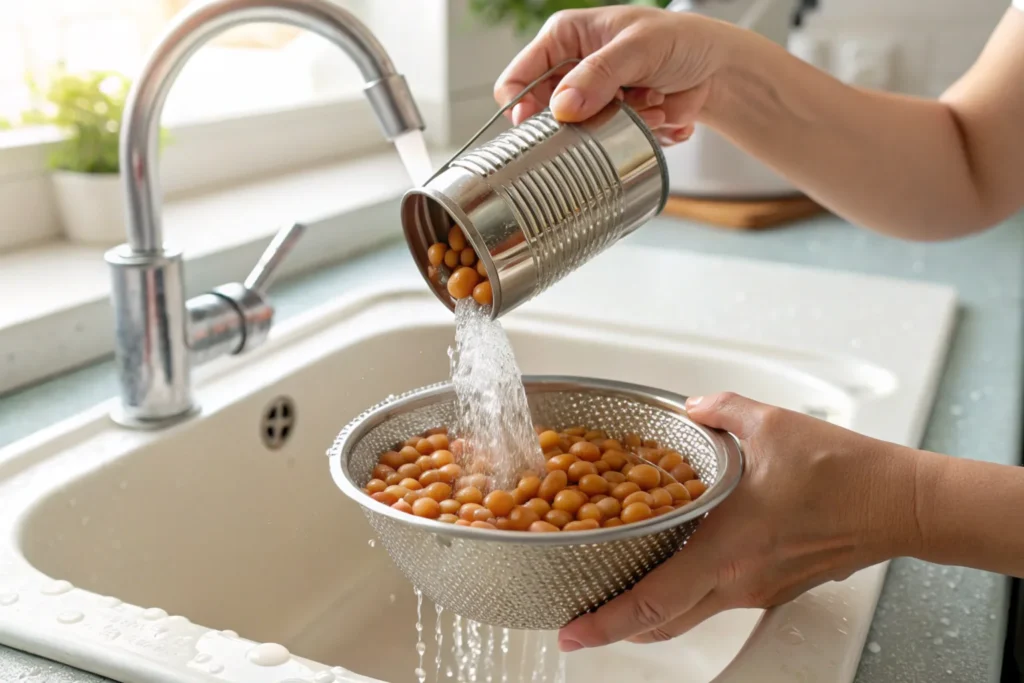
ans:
(254, 68)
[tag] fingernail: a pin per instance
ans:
(682, 134)
(569, 646)
(569, 101)
(694, 401)
(655, 97)
(517, 114)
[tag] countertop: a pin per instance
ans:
(933, 623)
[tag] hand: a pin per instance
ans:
(666, 59)
(815, 503)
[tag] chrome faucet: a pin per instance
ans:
(159, 335)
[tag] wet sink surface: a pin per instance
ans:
(231, 522)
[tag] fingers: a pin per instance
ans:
(592, 84)
(555, 43)
(727, 411)
(710, 605)
(671, 590)
(682, 108)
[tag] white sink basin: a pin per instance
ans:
(207, 521)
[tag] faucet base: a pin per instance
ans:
(121, 417)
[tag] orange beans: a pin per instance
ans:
(469, 494)
(552, 484)
(451, 258)
(426, 507)
(645, 476)
(621, 491)
(682, 473)
(482, 293)
(439, 491)
(696, 488)
(499, 502)
(560, 462)
(462, 282)
(549, 440)
(590, 481)
(467, 257)
(580, 469)
(456, 240)
(637, 512)
(569, 500)
(435, 254)
(584, 450)
(593, 484)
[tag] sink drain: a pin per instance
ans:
(277, 423)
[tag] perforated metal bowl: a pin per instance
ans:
(524, 580)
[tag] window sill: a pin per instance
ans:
(56, 314)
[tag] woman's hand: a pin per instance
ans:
(816, 503)
(661, 62)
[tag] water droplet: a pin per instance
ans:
(449, 673)
(392, 598)
(975, 395)
(949, 672)
(953, 634)
(372, 542)
(927, 584)
(944, 621)
(951, 584)
(937, 641)
(956, 410)
(421, 648)
(874, 647)
(791, 634)
(228, 633)
(70, 617)
(57, 587)
(110, 601)
(420, 674)
(215, 668)
(324, 677)
(8, 599)
(153, 613)
(178, 620)
(268, 654)
(202, 658)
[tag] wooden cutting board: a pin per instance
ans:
(743, 214)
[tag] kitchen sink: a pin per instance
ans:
(221, 550)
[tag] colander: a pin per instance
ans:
(524, 580)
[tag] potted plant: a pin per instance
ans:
(87, 107)
(529, 15)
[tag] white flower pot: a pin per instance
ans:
(91, 207)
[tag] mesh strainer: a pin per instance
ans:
(535, 581)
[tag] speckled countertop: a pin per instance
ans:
(932, 623)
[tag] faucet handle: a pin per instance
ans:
(265, 271)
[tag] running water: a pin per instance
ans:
(493, 415)
(421, 647)
(412, 149)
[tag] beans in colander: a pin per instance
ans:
(589, 481)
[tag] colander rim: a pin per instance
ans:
(726, 482)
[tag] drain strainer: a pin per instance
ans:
(278, 422)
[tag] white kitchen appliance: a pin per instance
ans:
(709, 165)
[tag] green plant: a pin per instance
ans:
(88, 106)
(529, 15)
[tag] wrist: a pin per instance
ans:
(894, 502)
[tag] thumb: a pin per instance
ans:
(594, 82)
(727, 411)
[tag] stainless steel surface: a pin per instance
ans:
(265, 271)
(524, 580)
(159, 335)
(540, 200)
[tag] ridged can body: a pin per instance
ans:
(540, 200)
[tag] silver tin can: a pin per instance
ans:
(540, 200)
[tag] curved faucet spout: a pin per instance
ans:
(385, 88)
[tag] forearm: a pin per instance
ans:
(896, 164)
(969, 513)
